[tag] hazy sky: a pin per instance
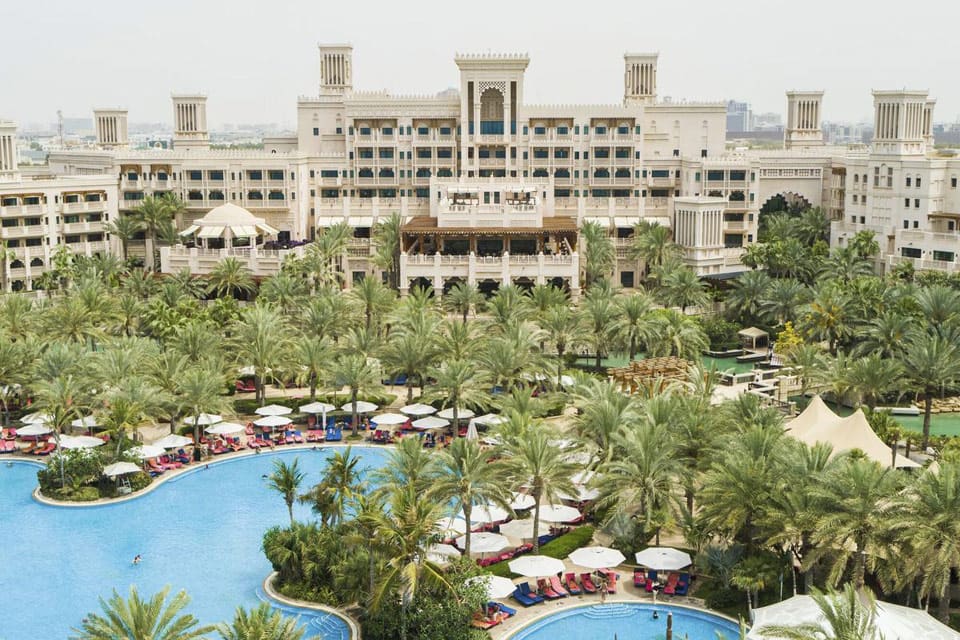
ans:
(254, 57)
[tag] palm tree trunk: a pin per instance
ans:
(467, 512)
(943, 603)
(536, 522)
(559, 366)
(290, 511)
(409, 388)
(859, 568)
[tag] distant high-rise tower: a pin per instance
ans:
(111, 126)
(902, 122)
(640, 78)
(336, 69)
(803, 120)
(190, 122)
(8, 146)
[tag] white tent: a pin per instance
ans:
(462, 413)
(893, 622)
(430, 422)
(120, 469)
(818, 423)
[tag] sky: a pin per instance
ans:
(253, 58)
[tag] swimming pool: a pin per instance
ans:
(628, 621)
(200, 532)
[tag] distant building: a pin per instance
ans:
(739, 117)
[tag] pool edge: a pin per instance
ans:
(352, 624)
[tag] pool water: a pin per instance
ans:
(201, 532)
(629, 621)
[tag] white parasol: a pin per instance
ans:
(86, 422)
(271, 421)
(36, 418)
(317, 407)
(484, 542)
(558, 513)
(450, 525)
(496, 586)
(80, 442)
(486, 513)
(430, 422)
(273, 410)
(362, 407)
(522, 501)
(204, 419)
(418, 410)
(34, 429)
(462, 414)
(389, 419)
(226, 428)
(120, 469)
(173, 441)
(145, 451)
(536, 566)
(663, 558)
(596, 557)
(489, 420)
(518, 529)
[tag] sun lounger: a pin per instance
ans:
(525, 596)
(612, 578)
(481, 621)
(544, 588)
(683, 584)
(47, 449)
(570, 582)
(587, 583)
(671, 587)
(502, 608)
(155, 467)
(556, 586)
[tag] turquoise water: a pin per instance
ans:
(200, 532)
(628, 621)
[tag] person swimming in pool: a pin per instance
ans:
(137, 559)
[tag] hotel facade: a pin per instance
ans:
(493, 190)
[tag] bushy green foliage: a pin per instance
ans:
(721, 333)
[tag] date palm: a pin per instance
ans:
(356, 372)
(262, 339)
(598, 317)
(682, 287)
(262, 623)
(533, 461)
(313, 356)
(286, 480)
(199, 390)
(374, 298)
(847, 615)
(154, 213)
(464, 298)
(408, 464)
(562, 327)
(653, 244)
(138, 618)
(230, 277)
(459, 383)
(782, 299)
(64, 400)
(598, 253)
(675, 334)
(386, 241)
(633, 322)
(466, 479)
(930, 363)
(124, 228)
(410, 354)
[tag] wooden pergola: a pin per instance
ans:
(650, 373)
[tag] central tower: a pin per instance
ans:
(336, 69)
(640, 78)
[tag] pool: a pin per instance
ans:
(629, 621)
(200, 531)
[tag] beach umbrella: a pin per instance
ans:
(451, 525)
(362, 407)
(203, 419)
(491, 440)
(521, 529)
(36, 418)
(87, 422)
(582, 477)
(442, 553)
(271, 421)
(472, 431)
(489, 420)
(80, 442)
(145, 451)
(596, 557)
(34, 429)
(484, 542)
(120, 469)
(536, 566)
(496, 586)
(482, 513)
(462, 414)
(173, 441)
(567, 381)
(663, 558)
(226, 428)
(583, 494)
(558, 513)
(317, 407)
(522, 501)
(418, 410)
(273, 410)
(389, 419)
(430, 422)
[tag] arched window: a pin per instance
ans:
(491, 111)
(18, 264)
(386, 173)
(622, 173)
(737, 196)
(254, 195)
(715, 194)
(216, 195)
(540, 173)
(365, 173)
(276, 195)
(36, 262)
(601, 173)
(194, 195)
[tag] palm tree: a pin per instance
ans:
(465, 478)
(807, 362)
(286, 480)
(231, 277)
(199, 390)
(313, 356)
(653, 244)
(844, 265)
(285, 291)
(64, 401)
(153, 213)
(374, 298)
(682, 287)
(598, 315)
(124, 228)
(340, 483)
(886, 333)
(262, 623)
(604, 413)
(927, 517)
(408, 464)
(410, 353)
(747, 294)
(531, 460)
(462, 298)
(262, 340)
(405, 529)
(6, 256)
(813, 226)
(386, 240)
(599, 254)
(676, 334)
(783, 297)
(828, 316)
(142, 619)
(930, 363)
(359, 374)
(633, 321)
(939, 304)
(544, 297)
(562, 328)
(874, 376)
(459, 383)
(854, 504)
(848, 615)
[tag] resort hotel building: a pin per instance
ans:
(491, 190)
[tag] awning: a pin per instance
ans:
(190, 230)
(243, 231)
(266, 229)
(622, 221)
(660, 220)
(329, 221)
(361, 221)
(210, 232)
(603, 222)
(463, 189)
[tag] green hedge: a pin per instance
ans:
(557, 548)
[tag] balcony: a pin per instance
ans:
(202, 261)
(537, 267)
(22, 210)
(70, 228)
(82, 206)
(490, 215)
(489, 138)
(924, 264)
(492, 162)
(22, 231)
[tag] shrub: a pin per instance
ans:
(80, 466)
(721, 333)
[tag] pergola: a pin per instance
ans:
(651, 372)
(753, 338)
(228, 223)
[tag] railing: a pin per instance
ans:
(924, 264)
(23, 231)
(21, 210)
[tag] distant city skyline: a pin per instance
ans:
(253, 65)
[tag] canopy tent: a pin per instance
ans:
(120, 469)
(229, 222)
(892, 621)
(663, 558)
(754, 338)
(818, 423)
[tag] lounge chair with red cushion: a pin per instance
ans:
(639, 578)
(587, 583)
(46, 450)
(612, 578)
(570, 581)
(544, 588)
(155, 466)
(556, 586)
(671, 587)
